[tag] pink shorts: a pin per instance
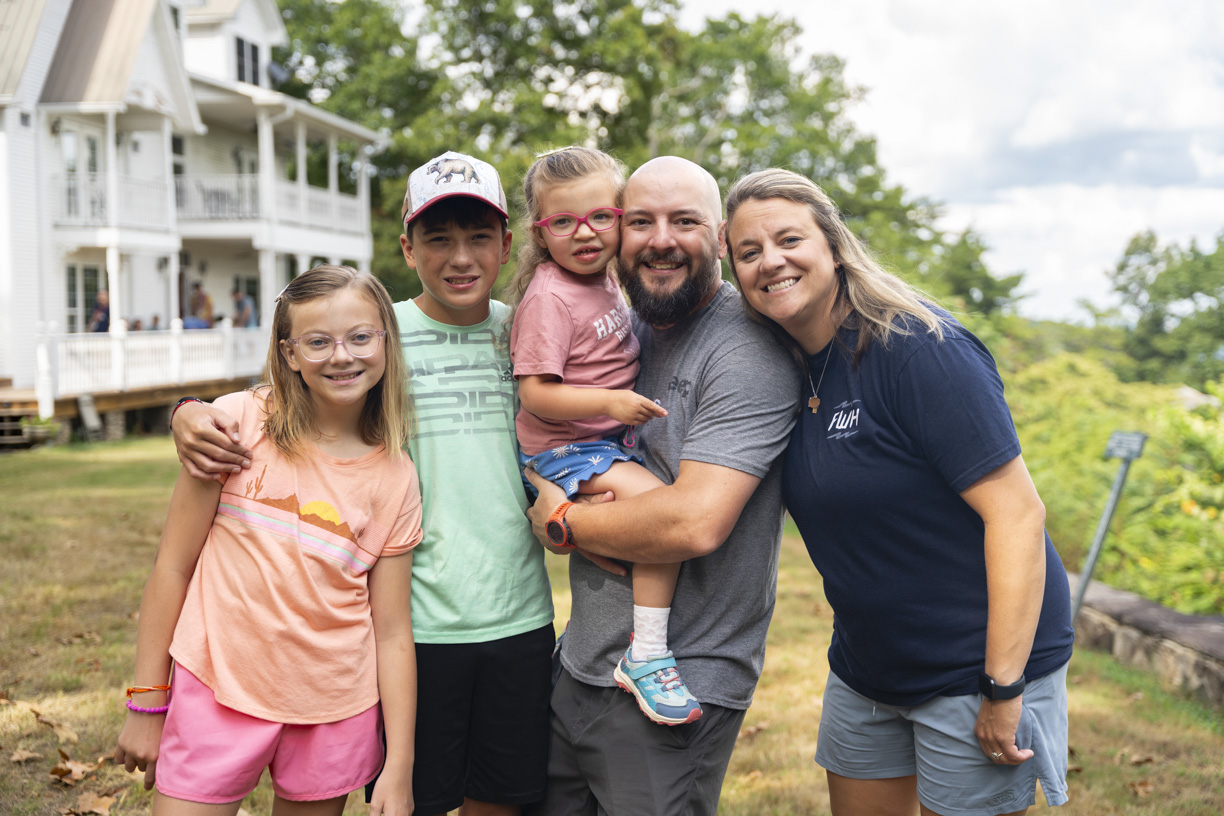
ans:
(213, 754)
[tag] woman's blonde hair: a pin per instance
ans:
(387, 416)
(871, 298)
(551, 168)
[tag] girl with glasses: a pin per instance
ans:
(576, 359)
(281, 593)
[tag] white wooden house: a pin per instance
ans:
(143, 150)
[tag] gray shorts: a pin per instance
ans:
(863, 739)
(606, 757)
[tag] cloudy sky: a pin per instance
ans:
(1056, 128)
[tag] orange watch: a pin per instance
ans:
(558, 529)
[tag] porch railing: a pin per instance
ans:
(82, 201)
(74, 364)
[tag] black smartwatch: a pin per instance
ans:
(993, 691)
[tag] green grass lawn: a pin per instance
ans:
(77, 536)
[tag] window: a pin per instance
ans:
(179, 168)
(82, 296)
(248, 61)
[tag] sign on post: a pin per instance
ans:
(1126, 446)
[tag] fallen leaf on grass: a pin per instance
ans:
(70, 772)
(1144, 759)
(242, 812)
(751, 731)
(1142, 788)
(32, 652)
(21, 755)
(1136, 697)
(1075, 769)
(91, 803)
(81, 637)
(62, 730)
(752, 776)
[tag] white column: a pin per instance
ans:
(168, 170)
(269, 286)
(303, 262)
(174, 308)
(113, 279)
(363, 192)
(267, 167)
(118, 329)
(300, 139)
(333, 178)
(44, 383)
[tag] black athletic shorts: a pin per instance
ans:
(482, 722)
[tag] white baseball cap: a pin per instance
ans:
(449, 175)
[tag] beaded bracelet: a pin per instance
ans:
(153, 710)
(179, 405)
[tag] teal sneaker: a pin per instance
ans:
(659, 691)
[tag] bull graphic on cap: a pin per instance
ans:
(445, 168)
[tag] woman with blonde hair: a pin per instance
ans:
(947, 685)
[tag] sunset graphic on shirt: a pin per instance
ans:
(317, 513)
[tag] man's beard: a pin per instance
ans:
(669, 308)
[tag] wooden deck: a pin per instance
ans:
(17, 403)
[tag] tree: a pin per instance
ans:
(1173, 300)
(508, 78)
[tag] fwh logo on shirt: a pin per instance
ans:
(845, 420)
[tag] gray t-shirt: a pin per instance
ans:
(731, 392)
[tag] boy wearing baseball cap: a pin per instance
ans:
(481, 603)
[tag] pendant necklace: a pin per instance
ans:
(814, 400)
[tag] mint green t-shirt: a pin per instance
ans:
(479, 573)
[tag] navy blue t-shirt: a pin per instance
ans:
(873, 481)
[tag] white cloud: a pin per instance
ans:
(1057, 128)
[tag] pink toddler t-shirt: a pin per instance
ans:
(277, 616)
(575, 327)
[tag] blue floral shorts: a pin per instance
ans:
(570, 465)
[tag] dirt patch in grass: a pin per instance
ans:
(78, 535)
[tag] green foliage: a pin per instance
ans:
(1175, 550)
(506, 79)
(1174, 299)
(1166, 541)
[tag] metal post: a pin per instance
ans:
(1127, 447)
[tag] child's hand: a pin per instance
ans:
(392, 794)
(139, 743)
(630, 408)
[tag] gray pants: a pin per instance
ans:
(605, 757)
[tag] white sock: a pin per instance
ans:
(649, 632)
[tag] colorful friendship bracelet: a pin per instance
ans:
(152, 710)
(142, 689)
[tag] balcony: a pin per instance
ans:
(82, 201)
(237, 198)
(74, 364)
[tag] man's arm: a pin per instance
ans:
(687, 519)
(206, 439)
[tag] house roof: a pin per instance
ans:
(238, 102)
(97, 52)
(219, 11)
(18, 27)
(93, 63)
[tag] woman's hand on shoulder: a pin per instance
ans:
(206, 439)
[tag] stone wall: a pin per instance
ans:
(1187, 652)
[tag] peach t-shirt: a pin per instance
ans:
(277, 616)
